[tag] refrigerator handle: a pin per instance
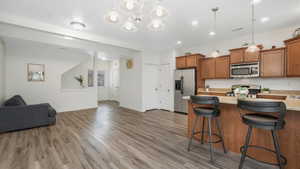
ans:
(182, 81)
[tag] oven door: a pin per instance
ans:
(241, 71)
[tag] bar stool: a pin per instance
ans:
(210, 114)
(266, 122)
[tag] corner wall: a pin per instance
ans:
(57, 61)
(131, 83)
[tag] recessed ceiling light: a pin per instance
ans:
(264, 19)
(179, 42)
(255, 2)
(212, 33)
(77, 25)
(195, 23)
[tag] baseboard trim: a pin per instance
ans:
(127, 109)
(81, 110)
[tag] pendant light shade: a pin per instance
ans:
(253, 47)
(215, 54)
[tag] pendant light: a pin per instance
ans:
(215, 53)
(253, 47)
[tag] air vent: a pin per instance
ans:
(237, 29)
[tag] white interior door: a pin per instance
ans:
(151, 85)
(165, 87)
(115, 81)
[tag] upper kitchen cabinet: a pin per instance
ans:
(293, 57)
(208, 68)
(237, 55)
(222, 67)
(190, 61)
(180, 62)
(240, 55)
(251, 56)
(273, 63)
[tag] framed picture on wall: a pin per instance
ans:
(35, 72)
(90, 78)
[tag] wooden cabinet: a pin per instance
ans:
(251, 56)
(190, 61)
(222, 67)
(273, 63)
(293, 57)
(237, 55)
(208, 68)
(181, 62)
(240, 55)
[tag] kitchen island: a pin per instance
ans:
(235, 130)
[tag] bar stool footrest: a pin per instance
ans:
(213, 134)
(282, 158)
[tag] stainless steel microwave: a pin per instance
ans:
(246, 70)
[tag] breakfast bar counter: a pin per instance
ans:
(235, 131)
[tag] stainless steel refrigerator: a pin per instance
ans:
(185, 85)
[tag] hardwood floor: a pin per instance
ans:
(110, 138)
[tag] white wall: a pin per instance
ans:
(104, 91)
(268, 39)
(2, 69)
(57, 61)
(131, 83)
(68, 80)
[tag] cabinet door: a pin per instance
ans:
(293, 58)
(272, 63)
(251, 56)
(208, 68)
(237, 56)
(180, 62)
(191, 61)
(222, 67)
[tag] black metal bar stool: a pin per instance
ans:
(266, 122)
(210, 114)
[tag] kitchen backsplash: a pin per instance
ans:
(272, 83)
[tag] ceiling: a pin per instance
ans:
(232, 14)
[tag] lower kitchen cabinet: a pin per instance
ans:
(273, 63)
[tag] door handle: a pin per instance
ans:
(182, 81)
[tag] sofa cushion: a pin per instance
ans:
(15, 101)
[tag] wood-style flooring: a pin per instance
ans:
(110, 138)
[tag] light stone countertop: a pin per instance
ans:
(291, 104)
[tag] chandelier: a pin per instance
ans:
(131, 14)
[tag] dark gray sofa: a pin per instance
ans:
(15, 114)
